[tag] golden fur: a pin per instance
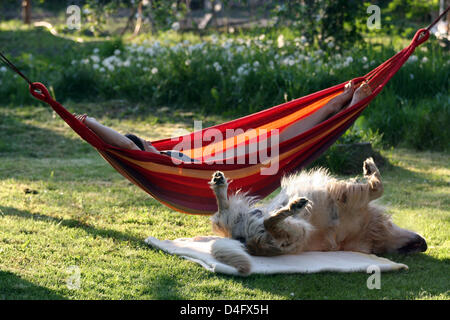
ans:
(313, 212)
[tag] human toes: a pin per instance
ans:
(349, 87)
(364, 90)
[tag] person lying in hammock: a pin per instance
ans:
(133, 142)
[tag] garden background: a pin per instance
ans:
(152, 68)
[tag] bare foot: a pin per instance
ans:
(348, 91)
(362, 92)
(341, 100)
(80, 117)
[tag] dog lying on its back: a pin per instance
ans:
(313, 212)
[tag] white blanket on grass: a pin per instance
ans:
(198, 250)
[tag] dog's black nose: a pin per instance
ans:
(418, 244)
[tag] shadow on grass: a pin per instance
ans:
(18, 138)
(12, 287)
(72, 223)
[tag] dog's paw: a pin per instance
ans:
(218, 179)
(297, 204)
(369, 167)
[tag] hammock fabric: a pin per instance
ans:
(184, 187)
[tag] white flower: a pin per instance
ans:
(95, 58)
(318, 52)
(413, 58)
(126, 63)
(364, 59)
(187, 62)
(424, 60)
(176, 26)
(96, 50)
(117, 52)
(330, 44)
(102, 69)
(256, 64)
(217, 66)
(3, 69)
(95, 66)
(243, 70)
(411, 76)
(154, 70)
(280, 41)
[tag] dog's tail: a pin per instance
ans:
(233, 253)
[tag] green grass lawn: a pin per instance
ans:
(61, 205)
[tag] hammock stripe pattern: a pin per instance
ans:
(184, 186)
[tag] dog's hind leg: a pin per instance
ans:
(219, 185)
(353, 195)
(373, 176)
(272, 224)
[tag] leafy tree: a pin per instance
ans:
(160, 14)
(320, 20)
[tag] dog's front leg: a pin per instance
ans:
(219, 185)
(272, 223)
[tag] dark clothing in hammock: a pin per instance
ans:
(178, 155)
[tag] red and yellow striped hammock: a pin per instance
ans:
(184, 187)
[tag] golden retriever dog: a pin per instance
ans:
(313, 212)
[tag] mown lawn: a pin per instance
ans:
(61, 205)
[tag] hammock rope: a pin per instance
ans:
(184, 186)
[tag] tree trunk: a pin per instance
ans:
(137, 28)
(26, 11)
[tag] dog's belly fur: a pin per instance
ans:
(333, 227)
